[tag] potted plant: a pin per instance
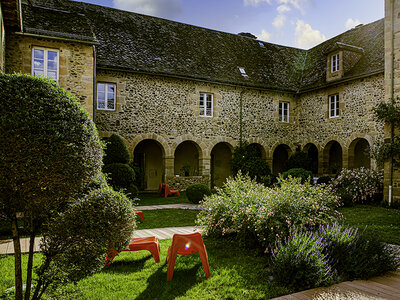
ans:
(186, 168)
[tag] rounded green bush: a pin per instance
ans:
(132, 191)
(115, 151)
(196, 192)
(298, 173)
(119, 175)
(299, 160)
(324, 180)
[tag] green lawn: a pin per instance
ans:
(384, 222)
(167, 218)
(235, 274)
(155, 199)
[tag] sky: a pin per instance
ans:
(296, 23)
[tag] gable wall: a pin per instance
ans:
(75, 70)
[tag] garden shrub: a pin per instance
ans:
(252, 212)
(196, 192)
(247, 159)
(115, 151)
(299, 173)
(358, 184)
(324, 180)
(119, 175)
(132, 191)
(307, 259)
(299, 159)
(300, 263)
(101, 219)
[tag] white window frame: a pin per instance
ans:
(333, 106)
(283, 112)
(45, 62)
(335, 63)
(205, 98)
(106, 85)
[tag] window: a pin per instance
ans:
(335, 63)
(45, 63)
(333, 106)
(206, 105)
(106, 96)
(243, 72)
(284, 112)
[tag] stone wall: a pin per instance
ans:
(181, 183)
(75, 64)
(392, 177)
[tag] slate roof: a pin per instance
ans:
(138, 43)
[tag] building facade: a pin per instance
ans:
(182, 97)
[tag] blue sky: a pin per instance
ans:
(296, 23)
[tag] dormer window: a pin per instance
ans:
(335, 63)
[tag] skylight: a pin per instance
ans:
(243, 72)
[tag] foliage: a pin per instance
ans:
(307, 259)
(77, 241)
(196, 192)
(358, 184)
(298, 262)
(300, 159)
(119, 175)
(388, 112)
(132, 191)
(324, 180)
(382, 151)
(251, 212)
(139, 175)
(299, 173)
(49, 151)
(247, 159)
(115, 151)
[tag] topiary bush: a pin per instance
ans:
(115, 151)
(301, 160)
(247, 159)
(132, 191)
(196, 192)
(253, 213)
(324, 180)
(360, 185)
(307, 259)
(299, 173)
(119, 175)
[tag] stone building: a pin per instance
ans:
(182, 97)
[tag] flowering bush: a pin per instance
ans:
(358, 184)
(308, 259)
(251, 212)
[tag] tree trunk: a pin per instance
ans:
(17, 259)
(30, 260)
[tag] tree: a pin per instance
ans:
(49, 151)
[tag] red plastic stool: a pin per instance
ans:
(147, 243)
(139, 213)
(186, 244)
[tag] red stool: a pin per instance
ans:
(147, 243)
(186, 244)
(139, 213)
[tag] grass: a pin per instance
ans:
(167, 218)
(384, 222)
(235, 274)
(155, 199)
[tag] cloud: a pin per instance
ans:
(283, 9)
(264, 36)
(158, 8)
(306, 37)
(350, 23)
(298, 4)
(255, 2)
(279, 21)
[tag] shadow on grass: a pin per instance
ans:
(127, 265)
(159, 288)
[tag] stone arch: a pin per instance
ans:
(201, 144)
(149, 155)
(312, 151)
(150, 136)
(262, 145)
(332, 160)
(221, 155)
(280, 155)
(358, 154)
(188, 159)
(261, 149)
